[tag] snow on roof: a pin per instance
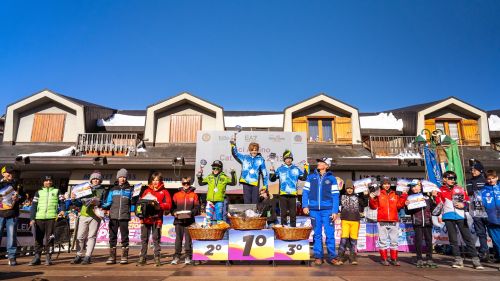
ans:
(263, 121)
(381, 121)
(61, 153)
(494, 123)
(118, 119)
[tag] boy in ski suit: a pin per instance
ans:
(119, 203)
(217, 182)
(320, 199)
(454, 200)
(252, 166)
(388, 203)
(491, 201)
(288, 175)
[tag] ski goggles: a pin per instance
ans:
(452, 178)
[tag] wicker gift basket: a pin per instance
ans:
(248, 223)
(292, 233)
(214, 232)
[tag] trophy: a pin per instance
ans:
(272, 158)
(238, 130)
(203, 163)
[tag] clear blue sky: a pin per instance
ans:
(252, 55)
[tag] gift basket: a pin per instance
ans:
(206, 232)
(248, 220)
(292, 233)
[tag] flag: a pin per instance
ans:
(455, 163)
(433, 170)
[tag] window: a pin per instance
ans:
(451, 128)
(320, 129)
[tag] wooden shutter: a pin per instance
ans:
(430, 124)
(299, 124)
(183, 128)
(48, 127)
(470, 132)
(343, 130)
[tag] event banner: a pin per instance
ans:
(214, 145)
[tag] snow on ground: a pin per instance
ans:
(267, 120)
(381, 121)
(494, 123)
(403, 155)
(122, 120)
(61, 153)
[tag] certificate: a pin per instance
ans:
(416, 201)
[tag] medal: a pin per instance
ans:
(252, 171)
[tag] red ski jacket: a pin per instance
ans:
(164, 200)
(388, 205)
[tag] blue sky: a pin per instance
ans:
(252, 55)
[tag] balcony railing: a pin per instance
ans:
(394, 147)
(107, 144)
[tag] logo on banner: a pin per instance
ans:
(206, 137)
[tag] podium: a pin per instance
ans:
(251, 245)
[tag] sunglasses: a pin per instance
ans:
(186, 183)
(215, 168)
(452, 178)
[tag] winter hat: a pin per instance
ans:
(385, 179)
(47, 178)
(478, 166)
(96, 175)
(122, 173)
(287, 154)
(414, 182)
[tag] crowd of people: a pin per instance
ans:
(323, 200)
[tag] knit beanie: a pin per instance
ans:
(96, 175)
(122, 173)
(478, 166)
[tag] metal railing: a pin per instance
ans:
(394, 146)
(118, 144)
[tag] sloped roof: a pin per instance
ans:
(315, 96)
(250, 113)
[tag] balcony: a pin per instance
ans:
(107, 144)
(402, 147)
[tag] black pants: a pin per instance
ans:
(288, 206)
(44, 235)
(113, 232)
(480, 225)
(182, 232)
(451, 226)
(250, 194)
(424, 232)
(155, 231)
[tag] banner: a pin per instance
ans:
(214, 145)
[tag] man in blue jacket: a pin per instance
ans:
(320, 199)
(491, 202)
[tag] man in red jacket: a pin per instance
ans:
(155, 200)
(388, 203)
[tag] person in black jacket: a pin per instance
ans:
(474, 186)
(120, 204)
(422, 224)
(352, 204)
(267, 206)
(9, 211)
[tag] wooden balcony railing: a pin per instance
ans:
(394, 146)
(107, 144)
